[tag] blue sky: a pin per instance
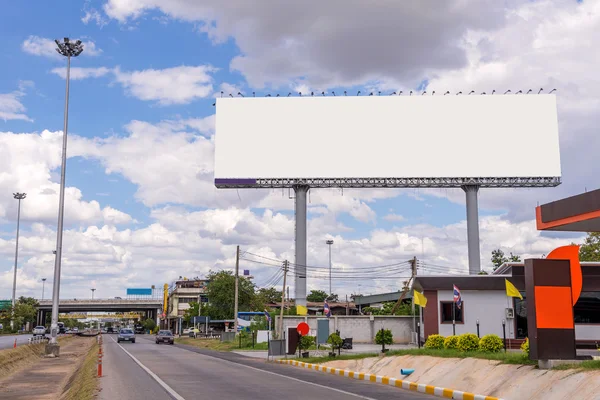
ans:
(133, 46)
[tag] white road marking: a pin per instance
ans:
(168, 388)
(293, 379)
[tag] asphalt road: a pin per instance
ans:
(8, 341)
(185, 373)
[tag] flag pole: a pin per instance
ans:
(453, 318)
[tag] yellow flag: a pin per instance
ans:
(511, 290)
(301, 310)
(419, 299)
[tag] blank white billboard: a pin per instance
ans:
(489, 136)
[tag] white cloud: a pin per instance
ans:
(78, 73)
(394, 217)
(11, 107)
(44, 47)
(177, 85)
(92, 14)
(27, 165)
(313, 41)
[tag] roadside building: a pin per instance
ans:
(485, 304)
(181, 294)
(316, 307)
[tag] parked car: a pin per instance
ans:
(164, 337)
(126, 335)
(39, 330)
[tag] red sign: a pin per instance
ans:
(303, 328)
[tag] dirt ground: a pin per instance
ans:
(46, 378)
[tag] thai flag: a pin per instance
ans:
(457, 298)
(268, 316)
(326, 309)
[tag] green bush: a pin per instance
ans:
(434, 342)
(468, 342)
(384, 337)
(491, 343)
(451, 342)
(525, 347)
(335, 341)
(306, 342)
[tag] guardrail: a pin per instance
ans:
(37, 339)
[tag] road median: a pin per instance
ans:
(34, 376)
(385, 380)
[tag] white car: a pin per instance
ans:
(39, 330)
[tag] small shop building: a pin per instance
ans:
(487, 308)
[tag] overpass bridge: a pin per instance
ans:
(147, 308)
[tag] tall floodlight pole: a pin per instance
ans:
(68, 49)
(18, 196)
(330, 242)
(43, 285)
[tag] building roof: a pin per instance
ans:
(463, 282)
(580, 213)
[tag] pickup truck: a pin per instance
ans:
(39, 330)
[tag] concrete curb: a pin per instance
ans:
(385, 380)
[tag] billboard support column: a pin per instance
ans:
(473, 229)
(300, 244)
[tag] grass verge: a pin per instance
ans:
(84, 383)
(13, 359)
(589, 364)
(504, 358)
(216, 344)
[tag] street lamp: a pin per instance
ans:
(93, 290)
(43, 284)
(18, 196)
(330, 242)
(68, 49)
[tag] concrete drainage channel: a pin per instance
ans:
(385, 380)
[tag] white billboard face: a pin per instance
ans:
(476, 136)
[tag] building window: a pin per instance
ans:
(188, 299)
(446, 311)
(587, 308)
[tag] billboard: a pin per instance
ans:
(400, 141)
(139, 292)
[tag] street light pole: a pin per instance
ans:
(18, 196)
(43, 285)
(68, 49)
(330, 242)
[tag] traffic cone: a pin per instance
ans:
(15, 345)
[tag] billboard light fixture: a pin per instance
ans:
(324, 94)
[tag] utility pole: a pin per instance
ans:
(413, 264)
(288, 295)
(285, 271)
(237, 278)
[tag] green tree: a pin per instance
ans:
(149, 324)
(269, 296)
(498, 258)
(25, 311)
(221, 292)
(386, 309)
(191, 312)
(316, 296)
(333, 298)
(590, 249)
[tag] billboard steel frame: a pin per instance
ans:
(349, 183)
